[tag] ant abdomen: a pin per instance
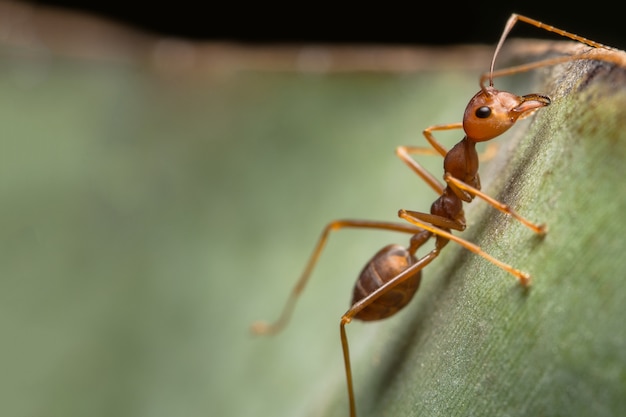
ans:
(387, 264)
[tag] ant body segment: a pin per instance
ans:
(389, 280)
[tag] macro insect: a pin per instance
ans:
(390, 279)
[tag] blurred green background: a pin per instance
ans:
(147, 219)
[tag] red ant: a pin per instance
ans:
(390, 279)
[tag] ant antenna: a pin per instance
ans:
(507, 28)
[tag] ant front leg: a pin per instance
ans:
(405, 152)
(601, 52)
(458, 185)
(488, 153)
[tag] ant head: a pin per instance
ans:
(491, 112)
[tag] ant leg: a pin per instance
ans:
(438, 221)
(518, 17)
(458, 185)
(404, 152)
(609, 54)
(363, 303)
(414, 218)
(431, 139)
(266, 328)
(436, 224)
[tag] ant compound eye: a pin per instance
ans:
(483, 112)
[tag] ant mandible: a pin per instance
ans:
(390, 279)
